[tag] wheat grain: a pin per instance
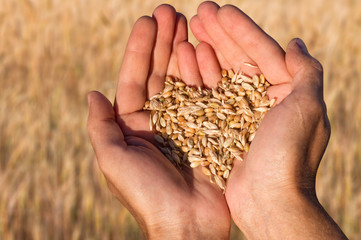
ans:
(209, 128)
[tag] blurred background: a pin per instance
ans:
(52, 52)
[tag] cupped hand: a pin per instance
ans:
(167, 202)
(287, 149)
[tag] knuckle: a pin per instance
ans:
(319, 114)
(316, 108)
(325, 124)
(316, 65)
(311, 105)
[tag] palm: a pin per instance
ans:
(267, 166)
(234, 45)
(136, 171)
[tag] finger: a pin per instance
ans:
(307, 85)
(104, 132)
(165, 17)
(208, 65)
(131, 91)
(260, 47)
(180, 35)
(279, 92)
(234, 54)
(304, 69)
(188, 65)
(202, 36)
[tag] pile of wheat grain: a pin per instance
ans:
(209, 127)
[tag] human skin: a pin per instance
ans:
(168, 203)
(271, 195)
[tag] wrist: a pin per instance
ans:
(185, 230)
(186, 224)
(291, 214)
(253, 208)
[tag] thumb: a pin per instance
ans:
(105, 134)
(304, 69)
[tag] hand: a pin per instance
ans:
(167, 202)
(271, 195)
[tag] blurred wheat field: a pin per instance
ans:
(52, 52)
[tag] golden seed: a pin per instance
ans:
(213, 106)
(210, 125)
(206, 171)
(247, 86)
(220, 182)
(227, 106)
(247, 118)
(189, 134)
(228, 142)
(260, 89)
(168, 88)
(194, 164)
(185, 149)
(255, 80)
(162, 122)
(246, 125)
(223, 97)
(221, 116)
(251, 137)
(169, 129)
(169, 79)
(210, 109)
(174, 126)
(201, 119)
(272, 102)
(177, 143)
(212, 118)
(204, 163)
(192, 125)
(209, 128)
(237, 118)
(230, 73)
(167, 94)
(213, 170)
(256, 102)
(226, 174)
(235, 125)
(262, 79)
(246, 147)
(199, 112)
(215, 93)
(180, 84)
(171, 113)
(252, 128)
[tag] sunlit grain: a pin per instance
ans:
(53, 52)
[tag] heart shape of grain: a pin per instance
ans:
(209, 128)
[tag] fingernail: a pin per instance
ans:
(301, 45)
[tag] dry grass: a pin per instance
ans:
(53, 52)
